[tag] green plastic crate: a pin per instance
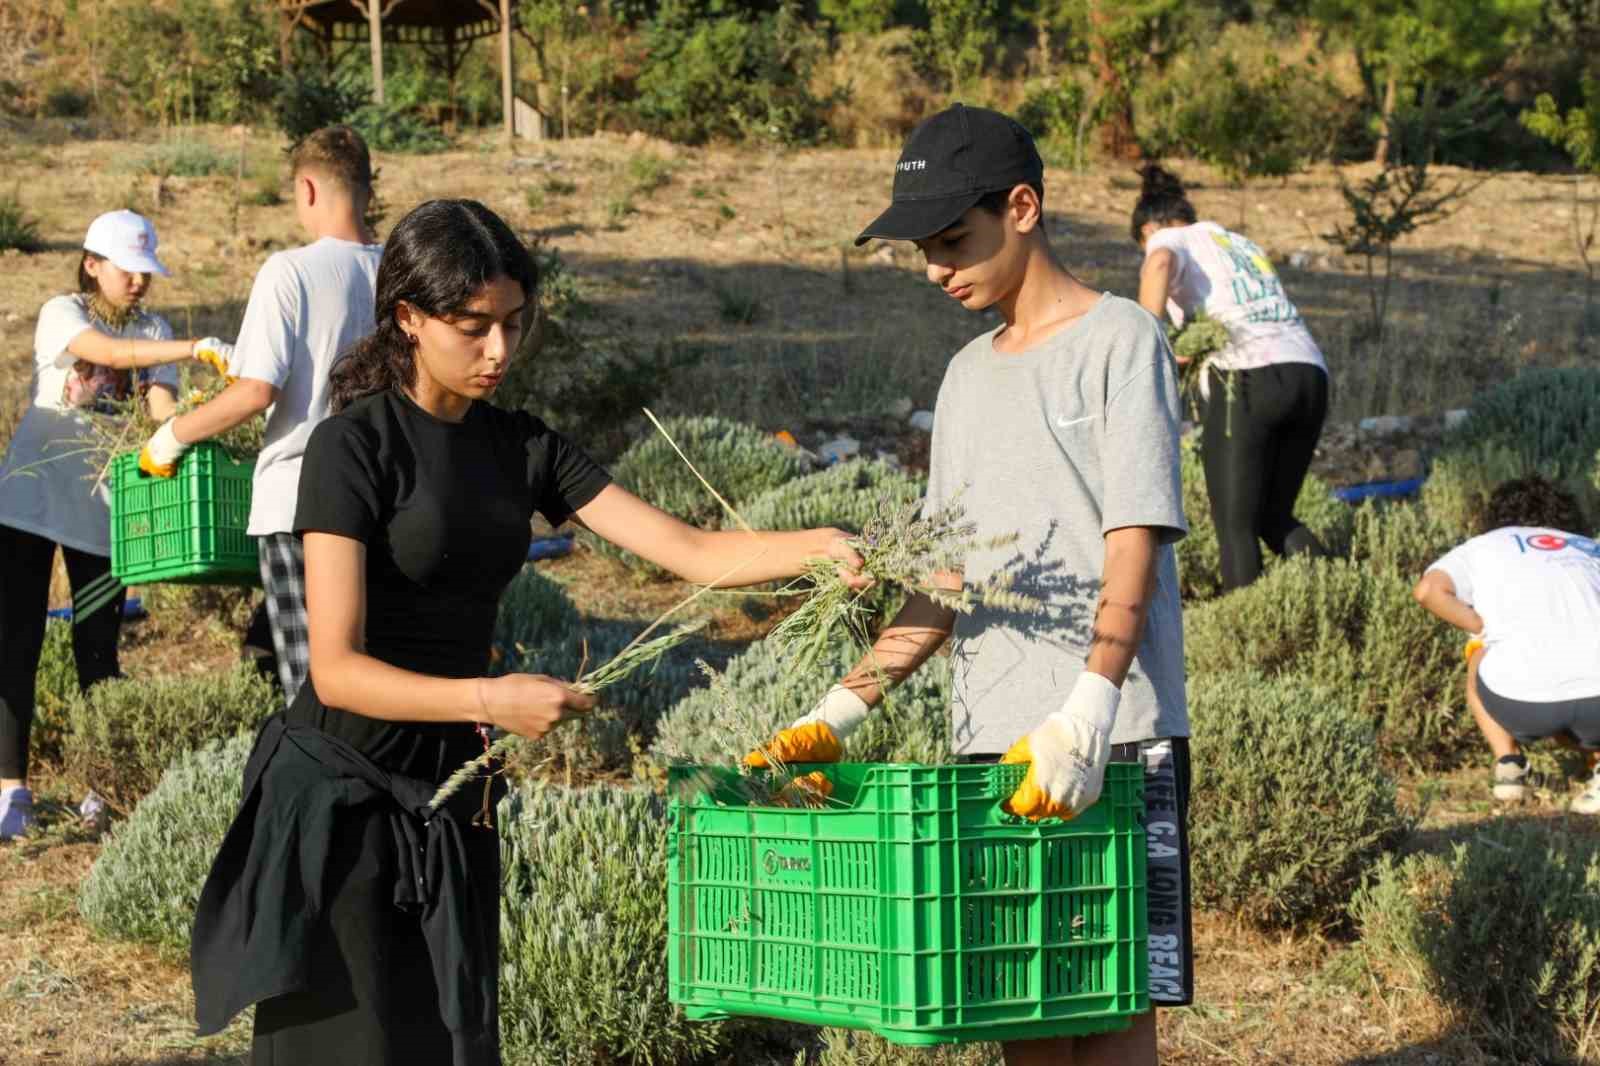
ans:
(912, 905)
(187, 529)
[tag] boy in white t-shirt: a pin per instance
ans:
(1529, 594)
(308, 305)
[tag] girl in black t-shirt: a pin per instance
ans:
(365, 929)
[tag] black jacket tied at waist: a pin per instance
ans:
(263, 902)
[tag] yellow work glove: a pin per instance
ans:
(1067, 754)
(215, 353)
(819, 736)
(1474, 645)
(810, 791)
(160, 454)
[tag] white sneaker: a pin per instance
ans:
(1511, 778)
(1588, 801)
(16, 812)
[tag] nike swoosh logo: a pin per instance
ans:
(1065, 422)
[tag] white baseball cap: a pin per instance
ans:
(127, 239)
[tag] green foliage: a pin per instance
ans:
(1290, 805)
(1249, 117)
(855, 1047)
(182, 159)
(195, 60)
(1200, 556)
(1504, 930)
(122, 733)
(1550, 416)
(390, 128)
(66, 101)
(19, 231)
(310, 98)
(858, 16)
(960, 36)
(147, 878)
(1345, 625)
(647, 173)
(761, 692)
(740, 461)
(710, 72)
(583, 975)
(1399, 539)
(577, 372)
(845, 495)
(55, 686)
(1052, 112)
(1462, 478)
(1576, 133)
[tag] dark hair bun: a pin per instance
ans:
(1158, 181)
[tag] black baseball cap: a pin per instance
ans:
(949, 163)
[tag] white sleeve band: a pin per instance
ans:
(842, 709)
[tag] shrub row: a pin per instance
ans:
(1504, 930)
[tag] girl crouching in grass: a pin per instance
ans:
(364, 926)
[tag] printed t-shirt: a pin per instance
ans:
(48, 481)
(1061, 444)
(1538, 593)
(307, 307)
(1230, 278)
(444, 510)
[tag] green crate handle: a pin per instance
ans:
(1000, 782)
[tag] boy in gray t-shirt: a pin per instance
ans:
(1060, 426)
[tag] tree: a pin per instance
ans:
(1407, 46)
(1123, 37)
(1578, 134)
(958, 40)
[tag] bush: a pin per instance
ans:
(878, 93)
(309, 99)
(583, 974)
(1505, 930)
(147, 879)
(853, 1047)
(1550, 416)
(19, 231)
(1462, 478)
(55, 686)
(911, 725)
(1342, 625)
(740, 461)
(845, 495)
(182, 159)
(1290, 805)
(1052, 112)
(712, 75)
(1200, 556)
(387, 128)
(122, 733)
(1399, 539)
(64, 101)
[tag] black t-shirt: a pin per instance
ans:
(444, 510)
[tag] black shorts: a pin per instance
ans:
(1577, 720)
(1166, 827)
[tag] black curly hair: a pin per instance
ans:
(1531, 501)
(1161, 200)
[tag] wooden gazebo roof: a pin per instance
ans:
(403, 21)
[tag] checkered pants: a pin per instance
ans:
(283, 576)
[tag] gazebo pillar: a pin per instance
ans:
(507, 77)
(375, 30)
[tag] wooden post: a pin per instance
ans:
(375, 29)
(506, 76)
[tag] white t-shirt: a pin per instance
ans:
(308, 305)
(1538, 593)
(48, 482)
(1230, 278)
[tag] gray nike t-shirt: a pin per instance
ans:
(1061, 444)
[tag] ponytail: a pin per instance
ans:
(437, 259)
(1162, 200)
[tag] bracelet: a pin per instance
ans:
(483, 704)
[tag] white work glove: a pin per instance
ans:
(160, 455)
(1067, 753)
(819, 735)
(215, 353)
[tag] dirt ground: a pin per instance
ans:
(748, 256)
